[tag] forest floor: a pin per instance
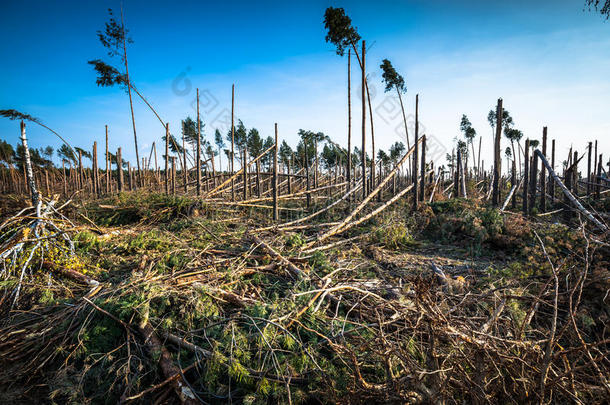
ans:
(205, 303)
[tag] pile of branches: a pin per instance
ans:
(251, 319)
(34, 240)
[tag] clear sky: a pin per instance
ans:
(549, 60)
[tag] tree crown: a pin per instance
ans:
(340, 31)
(391, 77)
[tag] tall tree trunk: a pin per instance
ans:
(28, 168)
(404, 118)
(479, 158)
(232, 141)
(473, 155)
(363, 152)
(552, 185)
(184, 166)
(133, 119)
(275, 189)
(198, 160)
(416, 153)
(156, 165)
(497, 157)
(543, 173)
(119, 166)
(526, 171)
(368, 97)
(422, 188)
(220, 160)
(108, 176)
(349, 120)
(167, 158)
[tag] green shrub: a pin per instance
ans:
(294, 241)
(395, 236)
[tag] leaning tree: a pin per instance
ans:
(393, 80)
(114, 38)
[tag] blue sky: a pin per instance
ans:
(549, 61)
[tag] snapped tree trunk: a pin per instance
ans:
(198, 160)
(569, 195)
(28, 168)
(497, 157)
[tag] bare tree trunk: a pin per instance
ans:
(497, 157)
(213, 169)
(474, 162)
(479, 158)
(533, 184)
(129, 176)
(598, 178)
(63, 168)
(289, 178)
(526, 176)
(173, 175)
(513, 183)
(575, 174)
(167, 158)
(28, 168)
(81, 175)
(595, 156)
(232, 141)
(199, 151)
(567, 193)
(404, 118)
(363, 152)
(245, 168)
(590, 151)
(156, 164)
(552, 185)
(307, 175)
(422, 188)
(133, 119)
(349, 123)
(543, 173)
(415, 153)
(368, 96)
(119, 166)
(275, 190)
(184, 166)
(108, 175)
(315, 167)
(96, 180)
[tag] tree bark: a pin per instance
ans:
(232, 141)
(275, 190)
(198, 160)
(108, 174)
(349, 123)
(543, 184)
(416, 153)
(35, 197)
(526, 176)
(133, 119)
(167, 158)
(422, 188)
(569, 195)
(497, 157)
(363, 152)
(119, 168)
